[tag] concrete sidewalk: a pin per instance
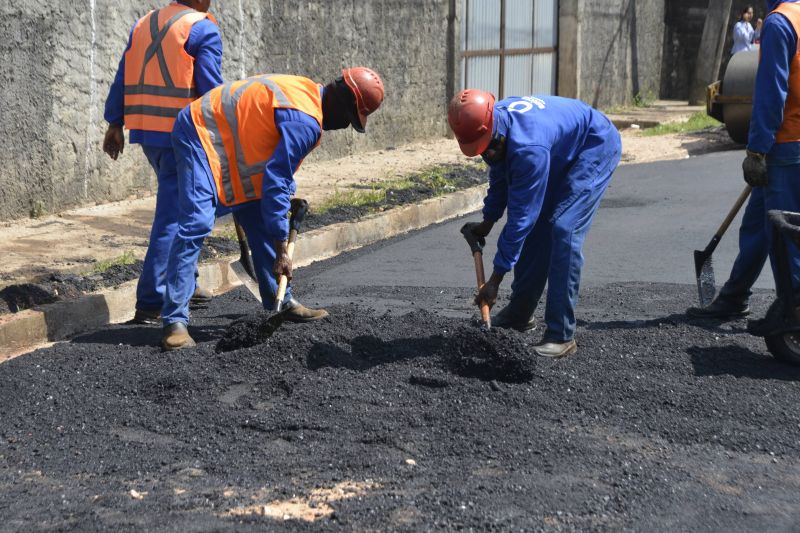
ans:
(74, 240)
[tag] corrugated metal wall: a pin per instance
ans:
(508, 47)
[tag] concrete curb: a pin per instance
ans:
(21, 332)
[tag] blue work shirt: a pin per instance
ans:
(778, 47)
(545, 135)
(205, 46)
(299, 134)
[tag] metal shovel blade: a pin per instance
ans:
(251, 284)
(704, 269)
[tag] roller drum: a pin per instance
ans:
(739, 80)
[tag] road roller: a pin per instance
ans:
(730, 100)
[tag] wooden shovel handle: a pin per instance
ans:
(283, 281)
(734, 210)
(481, 278)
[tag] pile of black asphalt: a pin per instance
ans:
(406, 421)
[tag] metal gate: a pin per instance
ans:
(508, 47)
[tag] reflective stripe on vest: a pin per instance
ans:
(790, 127)
(235, 125)
(229, 104)
(154, 96)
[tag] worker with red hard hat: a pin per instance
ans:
(237, 149)
(550, 161)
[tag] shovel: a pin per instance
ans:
(477, 255)
(703, 266)
(299, 210)
(243, 268)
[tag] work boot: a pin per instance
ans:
(294, 311)
(720, 309)
(555, 349)
(176, 336)
(200, 299)
(146, 316)
(507, 318)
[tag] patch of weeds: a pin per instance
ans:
(644, 99)
(697, 122)
(125, 259)
(228, 233)
(438, 180)
(354, 198)
(37, 209)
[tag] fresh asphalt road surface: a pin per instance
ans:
(652, 218)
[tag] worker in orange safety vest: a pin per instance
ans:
(173, 57)
(237, 149)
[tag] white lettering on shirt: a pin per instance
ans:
(525, 104)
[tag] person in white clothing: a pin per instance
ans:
(744, 36)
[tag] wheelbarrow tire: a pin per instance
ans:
(784, 347)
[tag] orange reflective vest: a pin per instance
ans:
(236, 125)
(159, 73)
(790, 128)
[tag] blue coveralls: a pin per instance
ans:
(263, 221)
(560, 156)
(205, 45)
(778, 47)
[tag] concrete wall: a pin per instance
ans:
(616, 55)
(60, 58)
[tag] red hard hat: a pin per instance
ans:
(367, 87)
(470, 118)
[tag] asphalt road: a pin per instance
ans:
(652, 217)
(415, 419)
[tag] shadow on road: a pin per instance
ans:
(739, 362)
(670, 320)
(143, 335)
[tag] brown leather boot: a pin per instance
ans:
(176, 336)
(146, 316)
(294, 311)
(200, 299)
(556, 350)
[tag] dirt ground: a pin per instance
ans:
(407, 423)
(74, 240)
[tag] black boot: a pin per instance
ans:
(721, 309)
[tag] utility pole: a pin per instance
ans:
(712, 44)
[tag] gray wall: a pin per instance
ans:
(59, 59)
(617, 53)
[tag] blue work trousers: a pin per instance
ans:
(551, 254)
(150, 290)
(755, 233)
(197, 210)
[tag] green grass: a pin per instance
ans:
(350, 199)
(697, 122)
(435, 177)
(125, 259)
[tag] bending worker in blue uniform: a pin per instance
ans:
(772, 164)
(550, 160)
(237, 150)
(174, 56)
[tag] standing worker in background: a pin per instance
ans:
(550, 160)
(772, 164)
(174, 56)
(237, 150)
(744, 36)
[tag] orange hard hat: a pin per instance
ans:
(470, 118)
(367, 87)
